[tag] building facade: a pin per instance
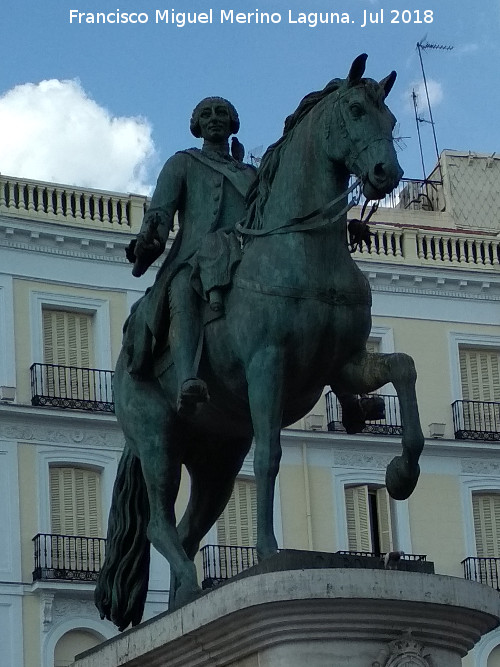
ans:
(65, 291)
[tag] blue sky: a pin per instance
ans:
(120, 96)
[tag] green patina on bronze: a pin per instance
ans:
(290, 314)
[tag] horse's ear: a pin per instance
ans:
(357, 70)
(388, 83)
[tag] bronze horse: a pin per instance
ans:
(297, 318)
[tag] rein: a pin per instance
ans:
(306, 222)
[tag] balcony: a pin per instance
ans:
(72, 387)
(416, 195)
(222, 562)
(68, 205)
(67, 557)
(390, 425)
(476, 420)
(484, 570)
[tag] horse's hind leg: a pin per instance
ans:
(369, 372)
(149, 425)
(212, 482)
(162, 471)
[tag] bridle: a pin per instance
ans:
(320, 216)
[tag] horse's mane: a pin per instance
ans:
(259, 190)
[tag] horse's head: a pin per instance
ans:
(363, 140)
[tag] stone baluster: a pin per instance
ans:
(29, 198)
(398, 243)
(105, 210)
(79, 214)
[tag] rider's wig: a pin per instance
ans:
(194, 124)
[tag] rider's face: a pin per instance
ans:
(215, 122)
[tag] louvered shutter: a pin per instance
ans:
(384, 520)
(75, 512)
(237, 526)
(486, 511)
(67, 341)
(480, 374)
(75, 506)
(358, 518)
(480, 380)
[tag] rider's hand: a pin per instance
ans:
(145, 249)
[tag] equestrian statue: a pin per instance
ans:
(235, 341)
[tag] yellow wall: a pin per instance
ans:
(428, 343)
(117, 314)
(293, 507)
(28, 506)
(31, 630)
(72, 644)
(320, 487)
(436, 522)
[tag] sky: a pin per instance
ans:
(105, 104)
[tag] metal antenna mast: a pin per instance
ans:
(422, 46)
(419, 120)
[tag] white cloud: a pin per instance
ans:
(434, 89)
(53, 131)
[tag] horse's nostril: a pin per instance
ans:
(378, 170)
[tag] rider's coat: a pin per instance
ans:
(207, 191)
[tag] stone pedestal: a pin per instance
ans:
(314, 618)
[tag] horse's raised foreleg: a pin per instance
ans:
(265, 392)
(369, 372)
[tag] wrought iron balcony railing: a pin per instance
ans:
(222, 562)
(415, 195)
(67, 557)
(390, 425)
(484, 570)
(72, 387)
(476, 420)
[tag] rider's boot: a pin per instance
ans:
(184, 339)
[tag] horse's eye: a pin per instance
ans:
(357, 110)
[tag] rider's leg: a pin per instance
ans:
(184, 338)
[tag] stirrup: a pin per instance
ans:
(192, 392)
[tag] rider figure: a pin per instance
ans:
(206, 188)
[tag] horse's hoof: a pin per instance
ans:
(400, 478)
(185, 594)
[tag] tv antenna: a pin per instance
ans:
(399, 141)
(423, 45)
(255, 155)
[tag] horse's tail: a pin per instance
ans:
(122, 586)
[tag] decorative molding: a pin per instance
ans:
(66, 607)
(360, 460)
(480, 467)
(101, 437)
(46, 611)
(404, 652)
(99, 308)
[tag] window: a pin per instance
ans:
(67, 338)
(480, 374)
(480, 384)
(68, 342)
(368, 518)
(237, 526)
(75, 516)
(486, 513)
(75, 501)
